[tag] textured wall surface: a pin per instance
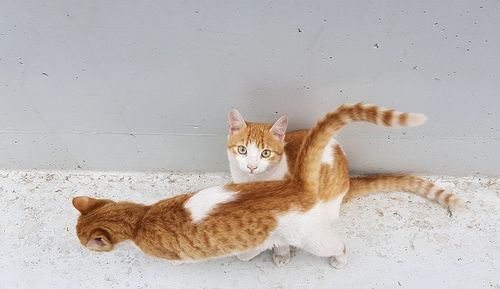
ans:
(146, 85)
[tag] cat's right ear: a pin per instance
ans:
(279, 127)
(86, 204)
(236, 121)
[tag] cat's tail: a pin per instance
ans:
(384, 183)
(309, 159)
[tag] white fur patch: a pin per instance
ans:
(298, 228)
(263, 170)
(202, 203)
(253, 155)
(414, 119)
(272, 172)
(328, 157)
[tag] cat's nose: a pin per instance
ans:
(251, 168)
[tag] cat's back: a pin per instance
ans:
(168, 213)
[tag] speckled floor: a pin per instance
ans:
(394, 241)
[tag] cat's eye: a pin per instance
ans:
(266, 153)
(242, 150)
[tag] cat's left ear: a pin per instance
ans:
(279, 127)
(236, 121)
(87, 204)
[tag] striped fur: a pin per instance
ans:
(308, 164)
(384, 183)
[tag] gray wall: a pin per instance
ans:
(146, 85)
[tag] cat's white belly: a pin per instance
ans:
(298, 228)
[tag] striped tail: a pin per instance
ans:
(308, 164)
(384, 183)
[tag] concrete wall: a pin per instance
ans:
(146, 85)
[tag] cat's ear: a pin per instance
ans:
(87, 204)
(236, 121)
(99, 243)
(279, 127)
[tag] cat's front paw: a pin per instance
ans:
(281, 260)
(338, 262)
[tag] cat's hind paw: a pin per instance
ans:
(338, 262)
(281, 260)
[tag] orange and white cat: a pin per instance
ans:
(243, 219)
(265, 152)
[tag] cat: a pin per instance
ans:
(242, 219)
(265, 152)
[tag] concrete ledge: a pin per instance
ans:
(394, 241)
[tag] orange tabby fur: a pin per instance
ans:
(168, 230)
(361, 185)
(378, 183)
(255, 132)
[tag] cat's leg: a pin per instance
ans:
(281, 255)
(249, 255)
(326, 243)
(339, 261)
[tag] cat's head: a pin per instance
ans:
(255, 147)
(99, 226)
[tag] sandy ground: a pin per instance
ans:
(394, 241)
